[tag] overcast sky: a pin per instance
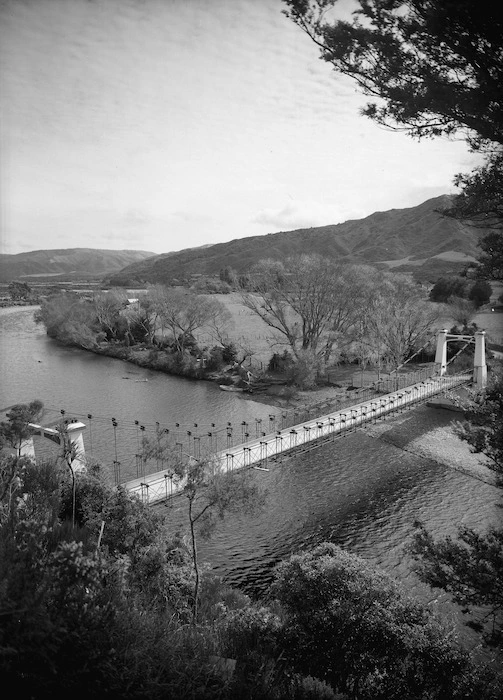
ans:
(160, 125)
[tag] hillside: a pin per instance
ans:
(402, 239)
(75, 262)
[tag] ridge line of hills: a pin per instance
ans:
(93, 263)
(416, 239)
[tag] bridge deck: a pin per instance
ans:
(159, 486)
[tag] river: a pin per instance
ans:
(359, 492)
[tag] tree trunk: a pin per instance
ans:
(195, 563)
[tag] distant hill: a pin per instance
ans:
(401, 239)
(75, 262)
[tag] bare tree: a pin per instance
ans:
(461, 310)
(308, 301)
(183, 312)
(108, 306)
(402, 320)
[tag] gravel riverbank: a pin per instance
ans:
(428, 432)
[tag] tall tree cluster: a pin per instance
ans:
(322, 310)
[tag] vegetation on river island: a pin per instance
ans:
(317, 312)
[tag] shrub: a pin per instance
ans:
(480, 293)
(447, 287)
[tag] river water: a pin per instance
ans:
(360, 492)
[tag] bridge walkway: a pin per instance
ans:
(160, 486)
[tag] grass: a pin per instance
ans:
(250, 331)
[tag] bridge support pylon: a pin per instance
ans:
(441, 353)
(74, 430)
(479, 361)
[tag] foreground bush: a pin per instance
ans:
(104, 604)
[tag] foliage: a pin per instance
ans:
(434, 68)
(19, 290)
(304, 300)
(182, 313)
(71, 320)
(16, 430)
(162, 320)
(211, 494)
(353, 627)
(480, 201)
(461, 310)
(108, 306)
(229, 353)
(483, 428)
(471, 569)
(104, 606)
(491, 259)
(281, 362)
(228, 275)
(480, 293)
(447, 287)
(453, 289)
(399, 320)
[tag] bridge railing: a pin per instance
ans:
(304, 435)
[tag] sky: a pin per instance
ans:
(161, 125)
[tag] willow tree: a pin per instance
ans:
(307, 301)
(431, 68)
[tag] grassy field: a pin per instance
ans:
(249, 330)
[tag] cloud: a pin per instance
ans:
(299, 214)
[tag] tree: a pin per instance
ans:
(461, 310)
(15, 431)
(491, 260)
(483, 428)
(70, 320)
(307, 301)
(434, 68)
(447, 287)
(354, 628)
(211, 494)
(108, 306)
(480, 200)
(183, 313)
(19, 290)
(471, 569)
(480, 293)
(400, 321)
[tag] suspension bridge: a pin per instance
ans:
(291, 431)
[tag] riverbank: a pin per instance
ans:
(428, 432)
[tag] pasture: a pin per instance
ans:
(251, 332)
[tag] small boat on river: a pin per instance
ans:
(230, 387)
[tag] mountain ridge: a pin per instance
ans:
(92, 262)
(413, 234)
